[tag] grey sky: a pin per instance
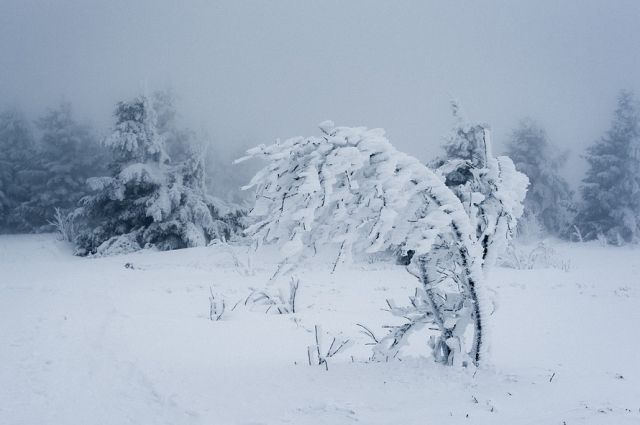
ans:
(257, 70)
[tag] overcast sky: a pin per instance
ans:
(255, 71)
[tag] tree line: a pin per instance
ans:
(142, 185)
(145, 184)
(607, 205)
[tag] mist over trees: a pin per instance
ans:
(68, 153)
(55, 166)
(44, 173)
(147, 174)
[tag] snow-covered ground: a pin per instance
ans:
(128, 340)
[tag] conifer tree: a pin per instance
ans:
(18, 176)
(67, 155)
(548, 204)
(148, 200)
(611, 189)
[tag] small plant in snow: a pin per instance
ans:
(542, 256)
(374, 340)
(576, 235)
(316, 353)
(216, 306)
(243, 268)
(280, 303)
(65, 225)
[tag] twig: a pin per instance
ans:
(369, 333)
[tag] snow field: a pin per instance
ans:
(128, 340)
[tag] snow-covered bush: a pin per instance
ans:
(65, 225)
(351, 189)
(280, 303)
(149, 201)
(490, 188)
(316, 353)
(217, 305)
(542, 256)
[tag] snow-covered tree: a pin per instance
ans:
(148, 201)
(18, 175)
(67, 155)
(549, 201)
(490, 188)
(350, 188)
(611, 188)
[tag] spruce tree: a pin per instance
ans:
(18, 175)
(548, 204)
(148, 200)
(67, 155)
(611, 188)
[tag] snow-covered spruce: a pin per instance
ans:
(42, 178)
(350, 187)
(17, 173)
(610, 208)
(548, 206)
(68, 154)
(490, 188)
(148, 201)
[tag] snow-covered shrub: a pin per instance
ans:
(316, 353)
(243, 267)
(280, 303)
(217, 306)
(149, 201)
(490, 188)
(542, 256)
(65, 225)
(351, 189)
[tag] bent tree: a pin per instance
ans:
(350, 187)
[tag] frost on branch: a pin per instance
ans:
(350, 188)
(490, 188)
